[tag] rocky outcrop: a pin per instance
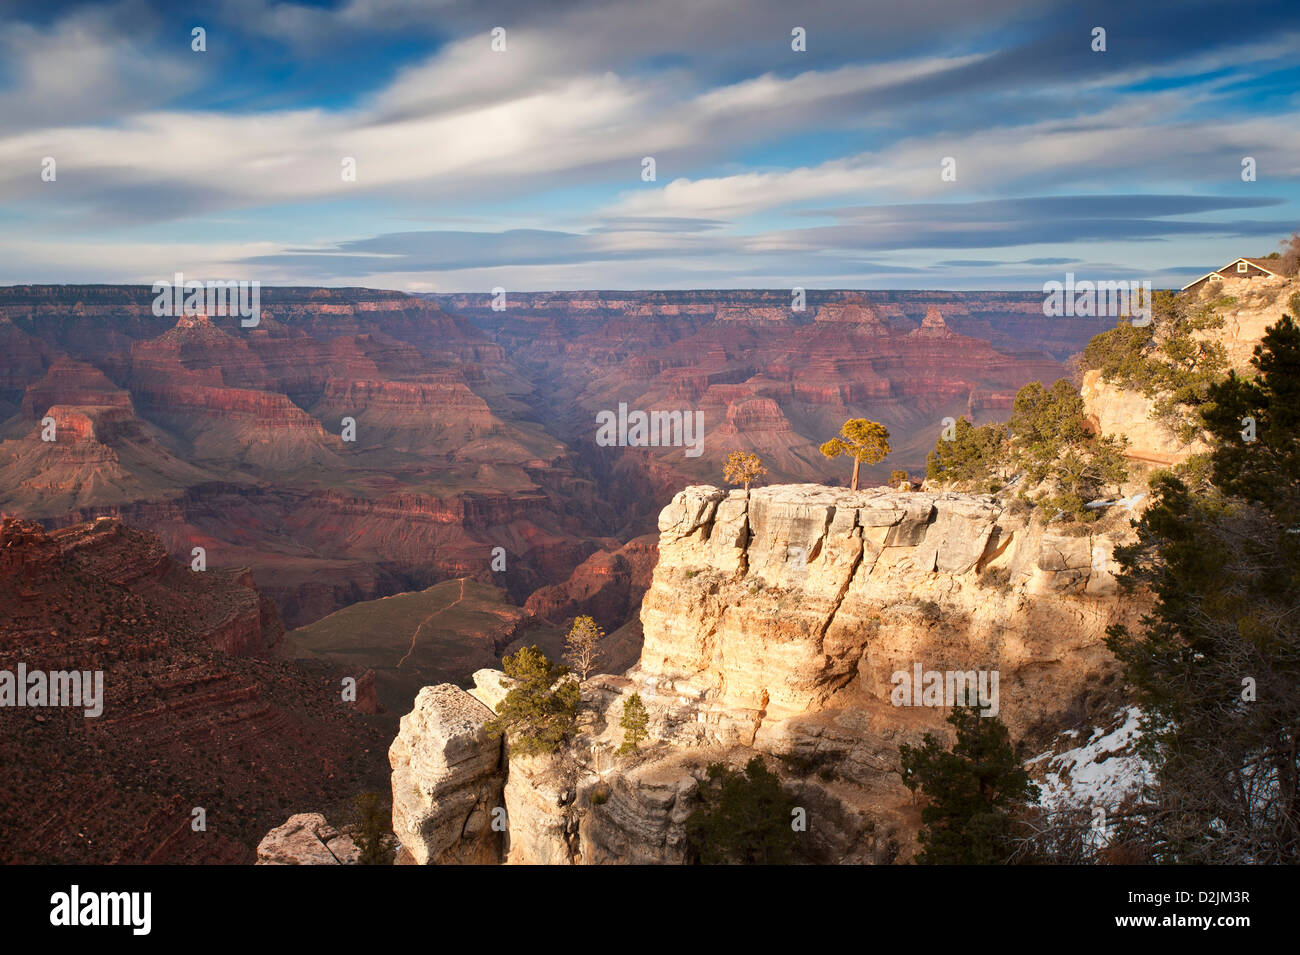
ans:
(1130, 415)
(797, 599)
(307, 839)
(775, 625)
(1248, 308)
(447, 781)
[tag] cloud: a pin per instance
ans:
(770, 161)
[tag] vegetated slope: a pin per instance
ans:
(195, 714)
(438, 635)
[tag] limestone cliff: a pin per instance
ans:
(1249, 308)
(774, 624)
(447, 780)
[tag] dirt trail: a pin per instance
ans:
(415, 636)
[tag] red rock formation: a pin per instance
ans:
(237, 446)
(189, 719)
(608, 586)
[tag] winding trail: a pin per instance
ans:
(415, 636)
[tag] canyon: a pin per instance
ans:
(776, 625)
(473, 432)
(767, 622)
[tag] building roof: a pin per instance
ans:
(1267, 265)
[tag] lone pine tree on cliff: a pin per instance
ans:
(865, 440)
(635, 723)
(582, 645)
(743, 468)
(743, 818)
(541, 713)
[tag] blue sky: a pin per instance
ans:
(522, 167)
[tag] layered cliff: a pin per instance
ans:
(767, 376)
(777, 622)
(353, 444)
(200, 739)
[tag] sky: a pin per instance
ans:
(504, 143)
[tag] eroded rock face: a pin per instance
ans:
(307, 839)
(1131, 415)
(447, 780)
(1253, 307)
(802, 598)
(774, 625)
(638, 816)
(539, 798)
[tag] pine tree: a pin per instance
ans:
(372, 824)
(974, 792)
(582, 645)
(744, 818)
(743, 468)
(973, 456)
(863, 440)
(1051, 441)
(1216, 666)
(540, 714)
(635, 723)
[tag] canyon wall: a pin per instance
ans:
(196, 714)
(775, 623)
(1248, 308)
(233, 439)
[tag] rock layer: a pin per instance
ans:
(447, 781)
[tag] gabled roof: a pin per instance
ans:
(1265, 265)
(1268, 265)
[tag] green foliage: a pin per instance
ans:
(540, 714)
(1050, 441)
(1045, 422)
(1120, 354)
(743, 819)
(371, 827)
(1168, 361)
(972, 458)
(899, 476)
(974, 792)
(635, 722)
(862, 440)
(1263, 472)
(1216, 666)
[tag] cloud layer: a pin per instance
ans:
(523, 167)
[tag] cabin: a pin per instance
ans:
(1240, 269)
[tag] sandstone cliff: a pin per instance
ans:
(1252, 306)
(774, 623)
